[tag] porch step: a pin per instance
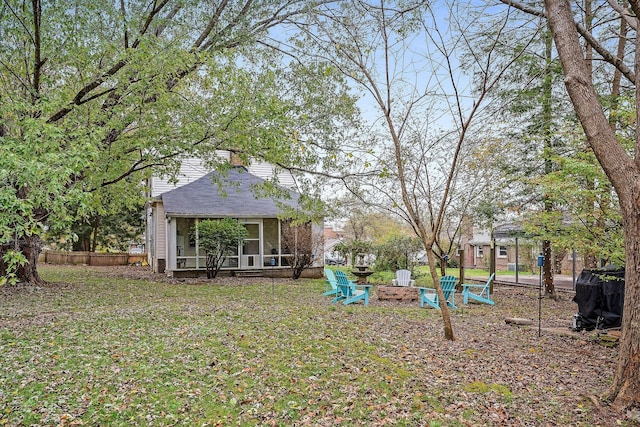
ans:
(249, 273)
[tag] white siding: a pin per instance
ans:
(193, 169)
(160, 232)
(265, 171)
(190, 170)
(316, 233)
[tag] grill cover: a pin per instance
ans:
(600, 298)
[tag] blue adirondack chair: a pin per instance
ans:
(482, 293)
(331, 284)
(429, 296)
(348, 292)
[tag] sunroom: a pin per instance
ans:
(174, 215)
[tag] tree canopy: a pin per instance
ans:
(99, 94)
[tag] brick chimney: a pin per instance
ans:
(235, 159)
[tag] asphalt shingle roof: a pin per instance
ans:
(204, 198)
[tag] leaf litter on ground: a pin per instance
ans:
(123, 346)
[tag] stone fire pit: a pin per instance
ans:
(397, 293)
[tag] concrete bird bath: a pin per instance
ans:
(362, 271)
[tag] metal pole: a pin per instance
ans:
(461, 266)
(517, 262)
(573, 267)
(540, 264)
(492, 263)
(273, 265)
(446, 263)
(492, 255)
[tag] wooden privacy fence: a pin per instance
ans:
(91, 258)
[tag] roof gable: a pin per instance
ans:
(204, 198)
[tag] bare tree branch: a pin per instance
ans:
(629, 17)
(597, 46)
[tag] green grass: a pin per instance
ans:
(122, 352)
(101, 350)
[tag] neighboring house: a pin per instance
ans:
(477, 248)
(508, 238)
(172, 244)
(332, 236)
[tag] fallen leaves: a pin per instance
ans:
(111, 349)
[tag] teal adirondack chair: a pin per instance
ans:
(348, 292)
(429, 296)
(331, 284)
(482, 292)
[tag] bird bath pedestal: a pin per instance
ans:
(362, 274)
(362, 271)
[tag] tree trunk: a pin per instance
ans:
(95, 226)
(590, 260)
(547, 114)
(30, 247)
(624, 173)
(547, 270)
(212, 266)
(300, 262)
(625, 389)
(557, 261)
(83, 243)
(443, 266)
(444, 308)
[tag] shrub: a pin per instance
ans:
(219, 238)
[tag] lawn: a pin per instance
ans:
(119, 347)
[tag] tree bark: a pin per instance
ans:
(557, 260)
(547, 114)
(444, 309)
(625, 389)
(547, 270)
(624, 173)
(30, 247)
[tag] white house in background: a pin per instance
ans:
(333, 235)
(175, 208)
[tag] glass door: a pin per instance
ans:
(251, 256)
